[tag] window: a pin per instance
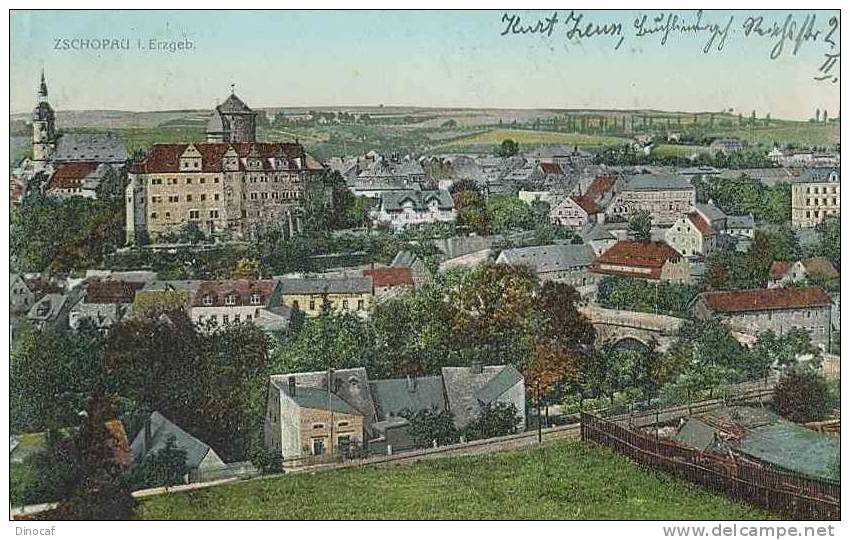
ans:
(213, 214)
(188, 181)
(153, 215)
(342, 424)
(188, 198)
(194, 214)
(230, 299)
(215, 197)
(249, 317)
(318, 426)
(344, 443)
(312, 304)
(203, 196)
(225, 319)
(215, 180)
(345, 304)
(318, 447)
(360, 305)
(255, 299)
(208, 300)
(237, 318)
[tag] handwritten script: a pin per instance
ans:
(784, 34)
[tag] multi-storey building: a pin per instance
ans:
(234, 185)
(815, 195)
(666, 197)
(217, 186)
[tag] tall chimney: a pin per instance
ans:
(291, 386)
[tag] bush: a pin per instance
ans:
(429, 426)
(165, 467)
(803, 396)
(494, 420)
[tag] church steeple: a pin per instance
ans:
(42, 89)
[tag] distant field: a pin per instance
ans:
(144, 138)
(533, 138)
(563, 481)
(800, 133)
(678, 150)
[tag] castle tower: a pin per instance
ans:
(232, 121)
(43, 127)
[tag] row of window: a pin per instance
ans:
(231, 298)
(817, 213)
(341, 423)
(816, 190)
(189, 198)
(173, 181)
(225, 319)
(821, 201)
(331, 305)
(193, 214)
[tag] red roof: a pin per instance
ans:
(587, 204)
(71, 175)
(391, 276)
(166, 157)
(600, 186)
(551, 168)
(216, 292)
(701, 224)
(765, 299)
(635, 255)
(112, 291)
(779, 269)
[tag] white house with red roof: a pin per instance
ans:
(692, 235)
(224, 302)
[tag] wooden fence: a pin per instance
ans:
(791, 495)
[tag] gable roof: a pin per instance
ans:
(309, 397)
(657, 182)
(765, 299)
(162, 429)
(701, 224)
(71, 175)
(165, 158)
(818, 175)
(390, 276)
(464, 386)
(393, 200)
(498, 385)
(392, 396)
(112, 291)
(326, 285)
(586, 203)
(244, 289)
(710, 211)
(351, 386)
(551, 168)
(96, 147)
(47, 308)
(630, 253)
(549, 258)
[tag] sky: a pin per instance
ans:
(418, 58)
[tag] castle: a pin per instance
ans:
(228, 183)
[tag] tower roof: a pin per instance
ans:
(233, 105)
(42, 87)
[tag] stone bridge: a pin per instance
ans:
(624, 327)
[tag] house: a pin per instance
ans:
(156, 434)
(726, 145)
(50, 311)
(692, 235)
(563, 263)
(754, 311)
(817, 269)
(396, 397)
(239, 300)
(665, 196)
(654, 261)
(598, 237)
(389, 281)
(399, 209)
(77, 179)
(471, 389)
(306, 416)
(313, 295)
(815, 195)
(578, 210)
(21, 297)
(741, 226)
(408, 259)
(305, 419)
(104, 303)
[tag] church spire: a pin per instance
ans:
(42, 88)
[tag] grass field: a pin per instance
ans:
(564, 481)
(678, 150)
(529, 138)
